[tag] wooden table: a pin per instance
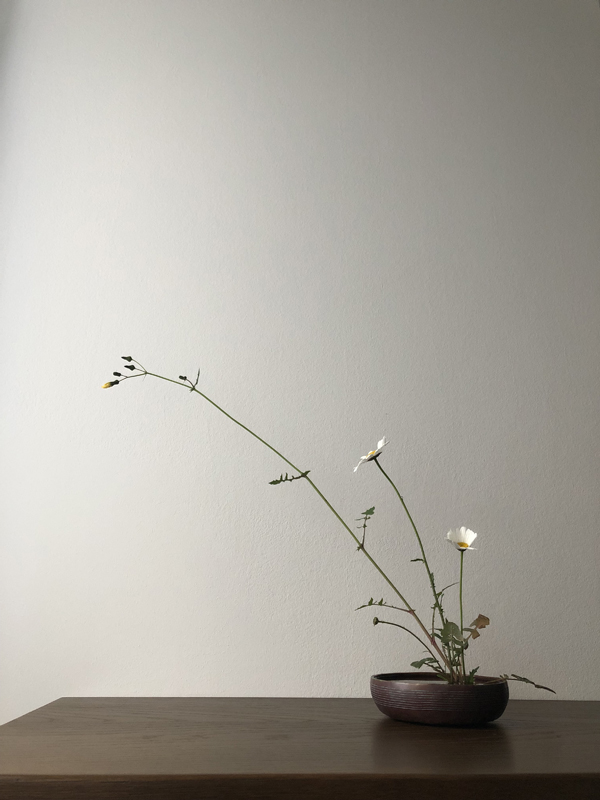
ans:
(279, 749)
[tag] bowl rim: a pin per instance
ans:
(429, 679)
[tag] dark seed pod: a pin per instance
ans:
(127, 358)
(118, 374)
(130, 366)
(182, 378)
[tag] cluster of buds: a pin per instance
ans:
(120, 377)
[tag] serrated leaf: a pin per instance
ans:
(419, 664)
(369, 512)
(471, 676)
(282, 479)
(514, 677)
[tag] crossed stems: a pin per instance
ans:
(436, 596)
(441, 656)
(437, 605)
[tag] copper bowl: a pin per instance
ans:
(426, 698)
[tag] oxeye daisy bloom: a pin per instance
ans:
(462, 538)
(373, 454)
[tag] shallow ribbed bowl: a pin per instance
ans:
(426, 698)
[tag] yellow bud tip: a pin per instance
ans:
(463, 544)
(107, 385)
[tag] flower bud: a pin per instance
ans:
(127, 358)
(182, 378)
(375, 621)
(109, 384)
(118, 374)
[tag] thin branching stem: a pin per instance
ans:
(447, 655)
(189, 385)
(414, 527)
(436, 600)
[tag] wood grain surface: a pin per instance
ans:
(199, 748)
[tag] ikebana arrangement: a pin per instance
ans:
(445, 642)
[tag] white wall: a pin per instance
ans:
(359, 218)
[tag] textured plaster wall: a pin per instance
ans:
(359, 218)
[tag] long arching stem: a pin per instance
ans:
(396, 625)
(436, 601)
(409, 608)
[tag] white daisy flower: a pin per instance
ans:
(373, 454)
(462, 538)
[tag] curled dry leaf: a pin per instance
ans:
(481, 622)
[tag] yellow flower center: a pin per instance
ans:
(462, 544)
(372, 453)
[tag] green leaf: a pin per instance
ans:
(369, 512)
(450, 633)
(382, 602)
(419, 664)
(282, 479)
(471, 676)
(514, 677)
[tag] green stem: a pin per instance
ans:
(462, 558)
(436, 603)
(396, 625)
(414, 527)
(409, 608)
